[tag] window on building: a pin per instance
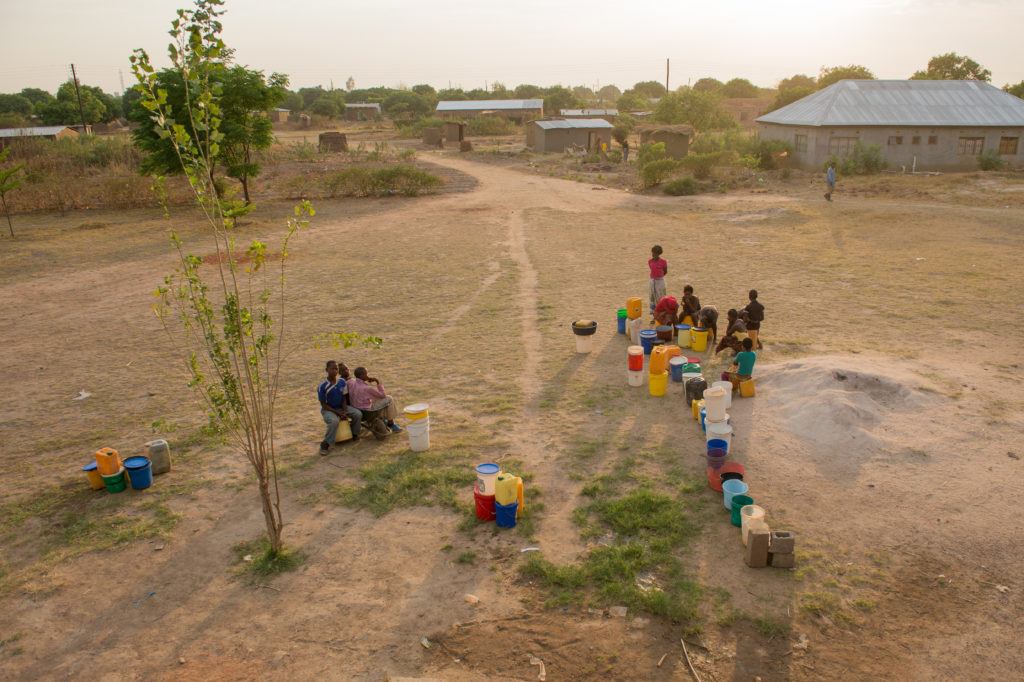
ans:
(895, 140)
(916, 139)
(970, 146)
(841, 146)
(933, 139)
(800, 143)
(1008, 145)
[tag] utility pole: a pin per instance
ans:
(666, 74)
(78, 94)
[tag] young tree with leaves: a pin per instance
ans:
(834, 74)
(953, 67)
(229, 319)
(9, 181)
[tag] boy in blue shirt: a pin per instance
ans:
(334, 406)
(743, 365)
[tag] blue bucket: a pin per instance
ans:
(140, 472)
(621, 319)
(703, 418)
(505, 515)
(648, 338)
(718, 444)
(676, 368)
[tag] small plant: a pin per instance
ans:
(989, 160)
(9, 181)
(863, 159)
(682, 187)
(258, 559)
(490, 125)
(655, 172)
(650, 152)
(702, 164)
(466, 558)
(615, 156)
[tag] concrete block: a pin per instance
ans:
(782, 559)
(782, 541)
(756, 552)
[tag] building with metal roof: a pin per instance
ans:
(7, 135)
(918, 124)
(362, 111)
(515, 109)
(606, 114)
(559, 134)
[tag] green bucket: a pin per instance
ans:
(738, 503)
(115, 483)
(622, 313)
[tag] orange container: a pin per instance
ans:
(673, 351)
(634, 307)
(108, 462)
(659, 359)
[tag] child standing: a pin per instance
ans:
(755, 316)
(659, 268)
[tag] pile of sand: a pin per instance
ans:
(845, 400)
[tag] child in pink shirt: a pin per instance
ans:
(659, 268)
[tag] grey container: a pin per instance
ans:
(160, 454)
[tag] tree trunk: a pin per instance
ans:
(245, 188)
(270, 516)
(10, 225)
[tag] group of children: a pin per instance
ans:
(741, 334)
(358, 399)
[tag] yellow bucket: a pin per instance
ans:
(95, 480)
(747, 388)
(695, 406)
(699, 340)
(416, 412)
(658, 384)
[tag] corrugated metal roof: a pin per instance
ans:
(363, 105)
(489, 104)
(903, 103)
(574, 123)
(38, 131)
(590, 112)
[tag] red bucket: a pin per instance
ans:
(636, 362)
(484, 506)
(715, 475)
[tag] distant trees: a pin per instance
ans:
(527, 91)
(631, 101)
(15, 104)
(953, 67)
(1015, 90)
(702, 110)
(582, 92)
(609, 93)
(405, 105)
(97, 106)
(558, 97)
(647, 89)
(792, 89)
(739, 87)
(797, 81)
(452, 95)
(834, 74)
(708, 85)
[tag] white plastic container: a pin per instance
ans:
(584, 344)
(636, 377)
(486, 477)
(159, 455)
(727, 385)
(720, 430)
(751, 518)
(633, 328)
(419, 435)
(714, 403)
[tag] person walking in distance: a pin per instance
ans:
(830, 180)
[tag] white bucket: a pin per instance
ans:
(720, 430)
(417, 412)
(584, 344)
(727, 385)
(752, 518)
(633, 328)
(486, 477)
(714, 403)
(419, 435)
(636, 377)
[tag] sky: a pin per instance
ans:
(475, 43)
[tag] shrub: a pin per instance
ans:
(655, 172)
(490, 125)
(864, 159)
(989, 160)
(402, 179)
(615, 156)
(652, 151)
(415, 128)
(701, 165)
(682, 187)
(765, 154)
(361, 181)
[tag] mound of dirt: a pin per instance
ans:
(841, 400)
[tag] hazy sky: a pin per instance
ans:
(392, 42)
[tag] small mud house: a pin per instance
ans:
(559, 134)
(918, 125)
(519, 110)
(333, 141)
(362, 111)
(607, 114)
(8, 135)
(279, 115)
(454, 133)
(676, 138)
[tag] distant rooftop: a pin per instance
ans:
(590, 112)
(38, 131)
(903, 103)
(363, 105)
(490, 104)
(574, 123)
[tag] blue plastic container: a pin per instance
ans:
(648, 339)
(718, 444)
(622, 319)
(140, 472)
(703, 418)
(505, 515)
(677, 369)
(730, 488)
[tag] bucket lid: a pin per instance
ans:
(120, 472)
(663, 328)
(714, 392)
(137, 462)
(719, 427)
(648, 332)
(487, 468)
(622, 312)
(691, 375)
(416, 408)
(635, 350)
(91, 466)
(683, 327)
(676, 361)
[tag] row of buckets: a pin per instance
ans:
(498, 495)
(107, 471)
(685, 335)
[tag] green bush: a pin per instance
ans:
(765, 154)
(652, 151)
(989, 160)
(682, 187)
(701, 165)
(490, 125)
(415, 128)
(361, 181)
(864, 159)
(655, 172)
(615, 156)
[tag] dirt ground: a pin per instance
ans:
(885, 433)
